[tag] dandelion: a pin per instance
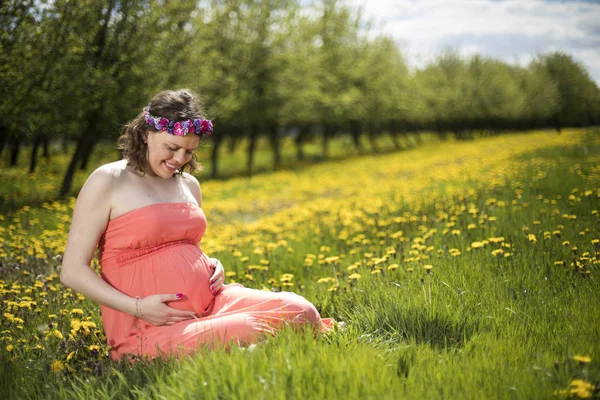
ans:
(77, 311)
(354, 276)
(9, 348)
(428, 268)
(57, 366)
(57, 334)
(531, 237)
(582, 359)
(392, 267)
(477, 245)
(581, 388)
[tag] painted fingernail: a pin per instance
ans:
(179, 295)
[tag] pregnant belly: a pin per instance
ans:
(181, 268)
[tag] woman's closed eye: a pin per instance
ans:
(177, 149)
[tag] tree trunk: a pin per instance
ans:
(373, 138)
(373, 141)
(85, 154)
(395, 135)
(3, 137)
(46, 147)
(275, 144)
(214, 156)
(328, 132)
(355, 130)
(68, 178)
(233, 143)
(15, 149)
(34, 153)
(298, 141)
(251, 147)
(396, 140)
(418, 138)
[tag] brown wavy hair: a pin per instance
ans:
(175, 105)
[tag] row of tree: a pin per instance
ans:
(78, 69)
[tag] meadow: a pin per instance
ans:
(461, 270)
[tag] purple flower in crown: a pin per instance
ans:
(178, 129)
(198, 126)
(185, 125)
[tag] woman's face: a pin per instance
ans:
(167, 153)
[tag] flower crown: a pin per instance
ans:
(180, 128)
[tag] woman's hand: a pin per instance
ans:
(217, 280)
(153, 310)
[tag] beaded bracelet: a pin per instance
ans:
(137, 307)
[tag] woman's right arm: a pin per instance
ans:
(90, 219)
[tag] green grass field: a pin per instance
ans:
(461, 270)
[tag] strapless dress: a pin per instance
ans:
(154, 250)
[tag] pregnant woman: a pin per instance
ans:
(159, 294)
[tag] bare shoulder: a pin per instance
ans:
(103, 178)
(193, 185)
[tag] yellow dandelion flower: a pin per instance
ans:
(392, 267)
(57, 333)
(9, 348)
(582, 359)
(477, 245)
(354, 276)
(70, 356)
(57, 366)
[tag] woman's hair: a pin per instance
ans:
(175, 105)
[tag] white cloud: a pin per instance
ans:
(512, 30)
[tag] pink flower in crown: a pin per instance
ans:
(205, 126)
(164, 122)
(178, 129)
(192, 128)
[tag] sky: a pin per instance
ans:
(511, 30)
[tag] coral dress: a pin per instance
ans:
(154, 250)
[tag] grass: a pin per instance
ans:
(462, 270)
